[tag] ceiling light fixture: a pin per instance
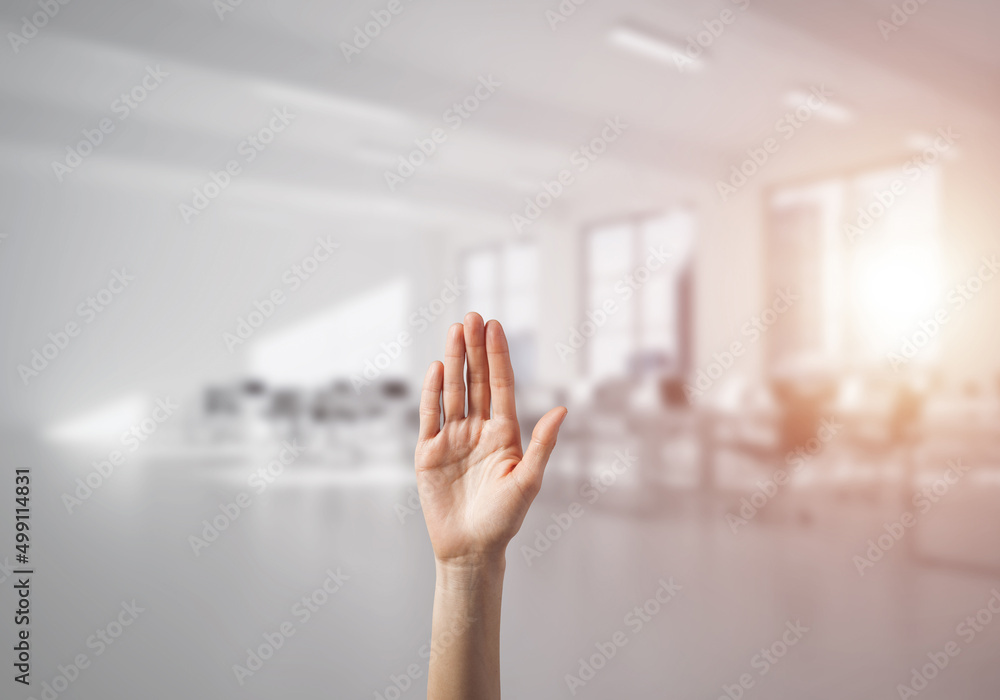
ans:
(654, 47)
(829, 110)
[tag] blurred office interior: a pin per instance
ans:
(751, 245)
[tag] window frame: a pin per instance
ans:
(684, 281)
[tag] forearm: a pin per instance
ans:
(465, 641)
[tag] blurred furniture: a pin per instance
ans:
(958, 525)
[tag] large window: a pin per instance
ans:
(503, 284)
(863, 254)
(642, 264)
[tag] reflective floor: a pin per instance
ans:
(779, 605)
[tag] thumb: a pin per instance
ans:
(543, 439)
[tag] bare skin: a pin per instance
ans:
(475, 488)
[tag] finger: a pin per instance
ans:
(543, 439)
(454, 371)
(479, 370)
(430, 402)
(501, 373)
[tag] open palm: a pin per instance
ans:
(474, 481)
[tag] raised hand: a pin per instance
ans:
(475, 488)
(474, 481)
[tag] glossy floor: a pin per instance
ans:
(787, 578)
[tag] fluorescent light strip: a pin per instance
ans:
(332, 103)
(653, 47)
(829, 110)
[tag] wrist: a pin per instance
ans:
(471, 572)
